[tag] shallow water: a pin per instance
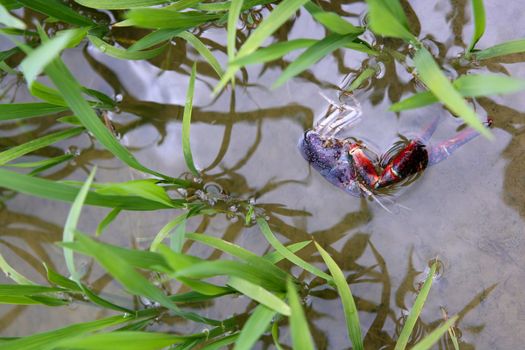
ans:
(467, 211)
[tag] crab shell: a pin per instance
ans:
(331, 159)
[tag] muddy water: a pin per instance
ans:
(467, 211)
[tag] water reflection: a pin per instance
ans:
(382, 255)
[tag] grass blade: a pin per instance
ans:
(332, 21)
(387, 18)
(147, 189)
(71, 225)
(471, 85)
(435, 335)
(33, 145)
(165, 231)
(186, 123)
(349, 308)
(107, 220)
(118, 4)
(273, 52)
(301, 336)
(155, 38)
(221, 343)
(233, 18)
(125, 340)
(254, 328)
(260, 295)
(12, 273)
(126, 275)
(431, 75)
(478, 11)
(62, 192)
(124, 54)
(48, 340)
(404, 336)
(313, 54)
(39, 58)
(280, 14)
(356, 83)
(202, 50)
(507, 48)
(270, 237)
(275, 257)
(72, 93)
(58, 10)
(161, 18)
(239, 252)
(9, 20)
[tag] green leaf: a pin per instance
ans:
(24, 290)
(72, 93)
(125, 340)
(202, 50)
(273, 52)
(279, 15)
(468, 86)
(404, 336)
(186, 123)
(349, 308)
(260, 295)
(239, 252)
(233, 18)
(155, 38)
(388, 19)
(431, 75)
(48, 340)
(478, 10)
(162, 18)
(332, 21)
(507, 48)
(124, 54)
(12, 273)
(9, 20)
(255, 327)
(107, 220)
(356, 83)
(247, 272)
(33, 145)
(147, 189)
(435, 335)
(166, 231)
(275, 257)
(124, 273)
(57, 9)
(45, 163)
(39, 58)
(313, 54)
(221, 343)
(301, 336)
(59, 280)
(58, 191)
(71, 225)
(118, 4)
(265, 229)
(178, 237)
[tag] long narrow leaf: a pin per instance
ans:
(71, 225)
(118, 4)
(349, 308)
(203, 51)
(478, 10)
(410, 322)
(301, 336)
(430, 73)
(186, 123)
(124, 54)
(28, 110)
(386, 19)
(259, 294)
(332, 21)
(254, 328)
(33, 145)
(435, 335)
(233, 18)
(273, 52)
(58, 10)
(313, 54)
(507, 48)
(265, 229)
(9, 20)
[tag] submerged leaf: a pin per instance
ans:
(430, 74)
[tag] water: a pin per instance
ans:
(468, 211)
